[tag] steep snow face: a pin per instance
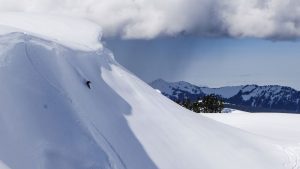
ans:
(49, 118)
(40, 123)
(200, 137)
(71, 32)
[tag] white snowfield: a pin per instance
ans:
(279, 126)
(275, 126)
(50, 119)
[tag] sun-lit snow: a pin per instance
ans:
(50, 119)
(3, 166)
(68, 31)
(282, 127)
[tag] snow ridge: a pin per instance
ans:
(120, 122)
(74, 33)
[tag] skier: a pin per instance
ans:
(88, 83)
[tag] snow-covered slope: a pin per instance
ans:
(72, 32)
(280, 126)
(50, 119)
(249, 97)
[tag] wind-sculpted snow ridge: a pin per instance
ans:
(72, 32)
(51, 119)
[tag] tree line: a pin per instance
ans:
(208, 104)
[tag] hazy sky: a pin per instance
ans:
(211, 61)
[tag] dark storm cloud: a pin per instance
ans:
(146, 19)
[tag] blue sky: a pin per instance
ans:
(211, 62)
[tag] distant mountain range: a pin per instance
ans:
(252, 98)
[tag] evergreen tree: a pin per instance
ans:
(187, 104)
(211, 104)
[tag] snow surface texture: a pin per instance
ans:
(279, 126)
(283, 127)
(71, 32)
(50, 119)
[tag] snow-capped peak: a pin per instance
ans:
(225, 92)
(248, 97)
(172, 87)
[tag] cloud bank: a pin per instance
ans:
(146, 19)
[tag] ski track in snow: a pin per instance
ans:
(26, 40)
(281, 130)
(34, 67)
(112, 151)
(293, 156)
